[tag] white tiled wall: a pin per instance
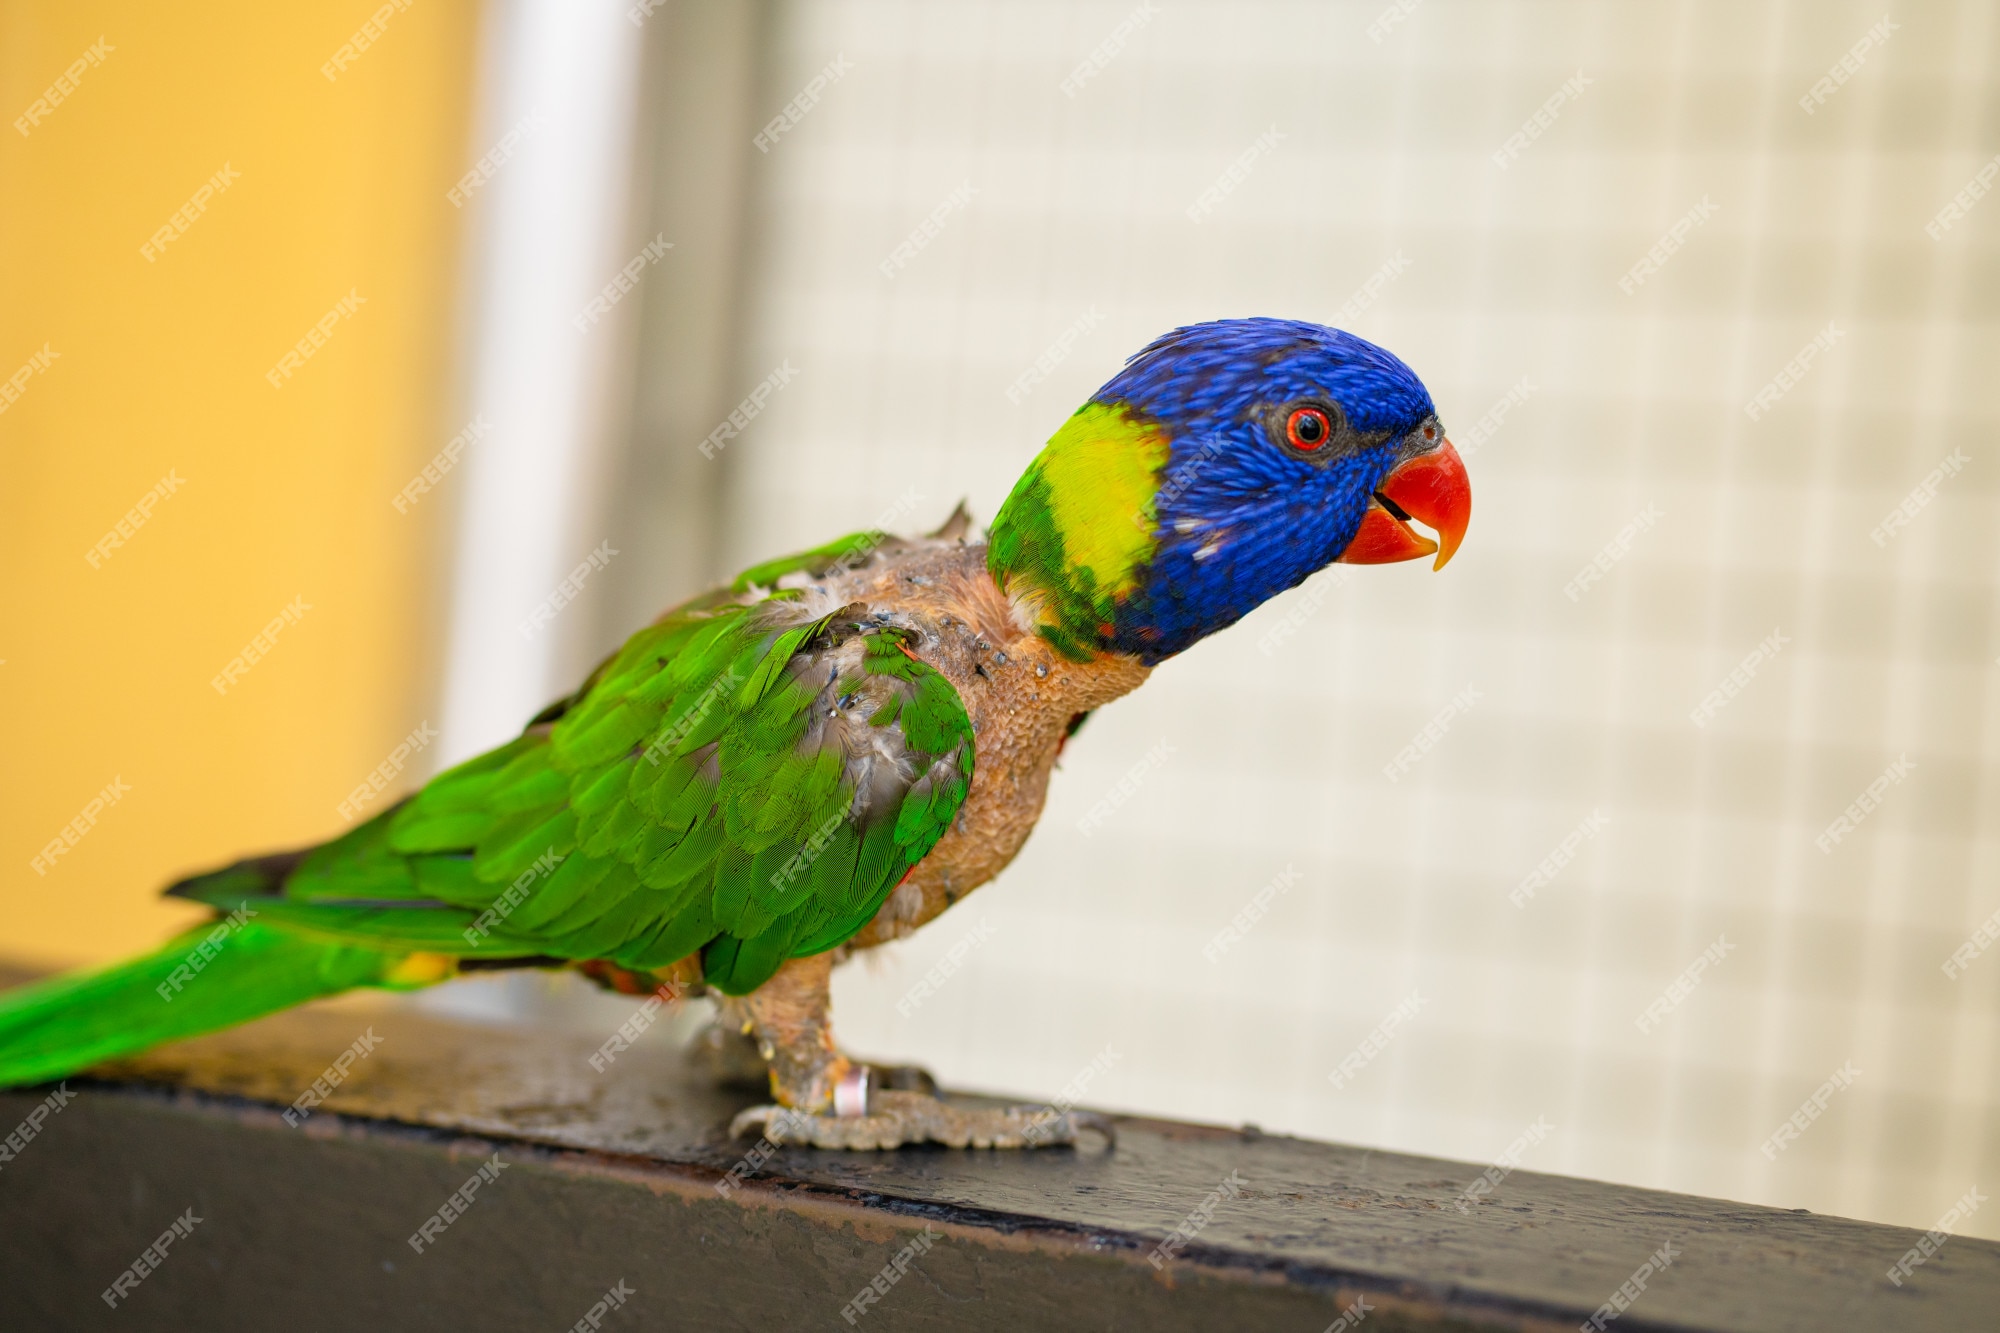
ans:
(1634, 403)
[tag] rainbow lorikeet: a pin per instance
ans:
(830, 751)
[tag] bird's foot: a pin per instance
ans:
(892, 1119)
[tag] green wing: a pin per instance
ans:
(816, 563)
(742, 781)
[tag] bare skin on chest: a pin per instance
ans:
(1021, 696)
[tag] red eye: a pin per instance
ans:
(1307, 428)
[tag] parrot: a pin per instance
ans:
(827, 753)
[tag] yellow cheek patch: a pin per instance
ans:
(1101, 472)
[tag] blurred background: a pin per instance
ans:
(1615, 929)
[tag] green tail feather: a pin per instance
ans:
(51, 1029)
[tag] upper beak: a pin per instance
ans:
(1431, 488)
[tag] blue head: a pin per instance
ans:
(1237, 457)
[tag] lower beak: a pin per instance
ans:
(1431, 488)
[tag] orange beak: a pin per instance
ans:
(1431, 488)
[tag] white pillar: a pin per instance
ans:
(549, 229)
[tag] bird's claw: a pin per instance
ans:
(894, 1119)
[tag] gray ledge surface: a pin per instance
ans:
(614, 1177)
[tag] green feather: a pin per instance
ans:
(594, 735)
(357, 864)
(737, 966)
(416, 829)
(687, 927)
(878, 865)
(1066, 532)
(848, 550)
(569, 883)
(521, 841)
(530, 782)
(693, 855)
(617, 827)
(449, 879)
(570, 841)
(833, 871)
(55, 1028)
(634, 913)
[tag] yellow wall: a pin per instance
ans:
(161, 367)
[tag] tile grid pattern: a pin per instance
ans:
(1075, 242)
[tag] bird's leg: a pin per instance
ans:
(791, 1018)
(825, 1100)
(731, 1054)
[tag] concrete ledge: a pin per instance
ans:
(621, 1177)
